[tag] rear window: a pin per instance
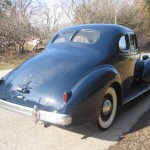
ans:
(86, 36)
(63, 37)
(82, 36)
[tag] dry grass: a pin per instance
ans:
(11, 60)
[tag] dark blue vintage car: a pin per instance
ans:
(83, 75)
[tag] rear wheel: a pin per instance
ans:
(108, 109)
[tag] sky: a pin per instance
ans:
(52, 2)
(57, 2)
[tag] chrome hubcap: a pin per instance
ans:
(107, 107)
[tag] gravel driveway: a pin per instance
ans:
(20, 133)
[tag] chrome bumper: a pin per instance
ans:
(39, 115)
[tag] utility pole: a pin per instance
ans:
(117, 10)
(115, 15)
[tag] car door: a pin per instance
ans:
(126, 60)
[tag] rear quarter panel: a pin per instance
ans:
(88, 93)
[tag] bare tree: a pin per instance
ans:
(128, 13)
(23, 19)
(47, 22)
(16, 23)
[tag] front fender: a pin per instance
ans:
(88, 93)
(146, 71)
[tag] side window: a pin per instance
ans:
(124, 43)
(133, 44)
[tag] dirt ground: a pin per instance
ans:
(138, 138)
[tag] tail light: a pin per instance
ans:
(66, 96)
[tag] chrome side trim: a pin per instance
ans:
(142, 92)
(45, 116)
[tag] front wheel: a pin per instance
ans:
(108, 109)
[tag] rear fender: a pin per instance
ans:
(87, 94)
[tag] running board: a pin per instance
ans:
(135, 95)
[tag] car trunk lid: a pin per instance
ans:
(43, 79)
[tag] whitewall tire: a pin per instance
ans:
(108, 109)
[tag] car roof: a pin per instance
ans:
(100, 27)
